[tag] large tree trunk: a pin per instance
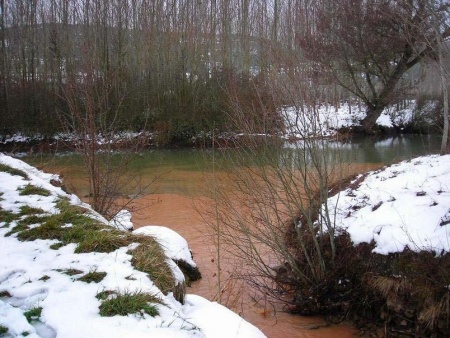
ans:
(378, 102)
(372, 115)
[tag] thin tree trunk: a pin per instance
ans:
(445, 145)
(4, 68)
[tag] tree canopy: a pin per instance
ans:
(368, 46)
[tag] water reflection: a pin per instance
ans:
(389, 150)
(358, 150)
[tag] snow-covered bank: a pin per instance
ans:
(403, 205)
(40, 274)
(325, 119)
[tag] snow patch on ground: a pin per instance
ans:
(403, 205)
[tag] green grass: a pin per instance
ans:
(33, 219)
(7, 216)
(3, 329)
(93, 276)
(16, 229)
(93, 236)
(51, 227)
(150, 258)
(12, 171)
(30, 189)
(27, 210)
(33, 314)
(24, 223)
(105, 294)
(101, 241)
(129, 303)
(56, 246)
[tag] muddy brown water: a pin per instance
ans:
(178, 204)
(180, 213)
(176, 200)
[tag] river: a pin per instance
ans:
(178, 197)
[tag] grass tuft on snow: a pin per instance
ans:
(7, 217)
(33, 314)
(127, 302)
(3, 329)
(13, 171)
(150, 258)
(70, 272)
(93, 276)
(30, 189)
(28, 210)
(74, 225)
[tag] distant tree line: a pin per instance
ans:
(178, 67)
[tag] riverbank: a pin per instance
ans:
(341, 122)
(65, 271)
(392, 235)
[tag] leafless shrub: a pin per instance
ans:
(93, 120)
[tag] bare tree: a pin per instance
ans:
(369, 45)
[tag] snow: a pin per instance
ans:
(174, 245)
(231, 324)
(326, 119)
(19, 138)
(31, 276)
(122, 220)
(406, 205)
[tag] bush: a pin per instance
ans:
(404, 292)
